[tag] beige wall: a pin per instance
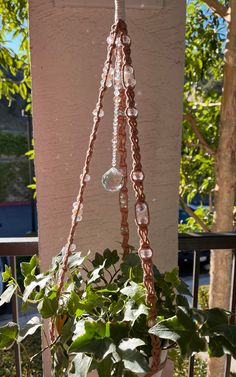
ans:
(68, 49)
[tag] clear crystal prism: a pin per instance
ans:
(112, 180)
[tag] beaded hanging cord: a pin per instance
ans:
(125, 115)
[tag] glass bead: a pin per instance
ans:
(101, 113)
(117, 75)
(121, 113)
(128, 70)
(142, 213)
(137, 176)
(145, 253)
(118, 42)
(123, 201)
(75, 205)
(117, 100)
(124, 230)
(79, 218)
(87, 179)
(118, 84)
(110, 40)
(130, 81)
(126, 39)
(132, 112)
(72, 247)
(112, 180)
(109, 83)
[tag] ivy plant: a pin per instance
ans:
(101, 315)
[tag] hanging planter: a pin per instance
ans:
(114, 315)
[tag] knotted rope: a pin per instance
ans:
(127, 96)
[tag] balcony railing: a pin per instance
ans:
(192, 243)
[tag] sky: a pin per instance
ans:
(14, 44)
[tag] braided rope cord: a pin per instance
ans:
(97, 120)
(123, 195)
(147, 264)
(119, 10)
(127, 101)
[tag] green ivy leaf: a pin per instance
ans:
(214, 318)
(182, 301)
(106, 366)
(75, 260)
(172, 277)
(215, 348)
(133, 311)
(60, 359)
(8, 335)
(133, 360)
(80, 366)
(119, 331)
(111, 257)
(6, 275)
(130, 344)
(28, 269)
(40, 281)
(96, 274)
(49, 305)
(183, 330)
(30, 328)
(73, 303)
(98, 260)
(7, 294)
(99, 348)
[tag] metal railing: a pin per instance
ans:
(13, 248)
(196, 243)
(191, 243)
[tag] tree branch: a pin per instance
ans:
(211, 104)
(191, 213)
(218, 8)
(193, 122)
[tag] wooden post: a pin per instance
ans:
(68, 46)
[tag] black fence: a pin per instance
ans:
(196, 243)
(193, 243)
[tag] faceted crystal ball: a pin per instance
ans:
(112, 180)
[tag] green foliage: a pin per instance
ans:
(13, 145)
(181, 365)
(191, 225)
(101, 320)
(15, 180)
(203, 296)
(30, 346)
(101, 315)
(205, 43)
(15, 73)
(199, 330)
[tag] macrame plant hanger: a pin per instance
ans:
(119, 73)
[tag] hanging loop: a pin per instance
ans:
(119, 10)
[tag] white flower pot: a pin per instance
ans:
(158, 374)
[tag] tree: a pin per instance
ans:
(209, 149)
(15, 65)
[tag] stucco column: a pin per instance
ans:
(68, 47)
